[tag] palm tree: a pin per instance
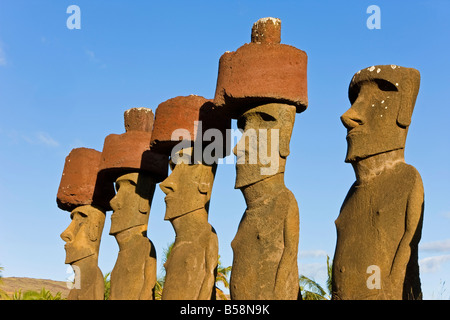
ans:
(311, 290)
(3, 294)
(222, 276)
(330, 276)
(35, 295)
(161, 279)
(107, 281)
(159, 288)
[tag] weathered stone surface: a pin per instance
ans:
(82, 239)
(266, 244)
(263, 71)
(266, 30)
(392, 92)
(191, 265)
(262, 85)
(178, 119)
(380, 222)
(130, 151)
(128, 160)
(79, 183)
(85, 194)
(134, 274)
(139, 119)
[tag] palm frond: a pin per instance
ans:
(330, 274)
(310, 289)
(107, 281)
(221, 294)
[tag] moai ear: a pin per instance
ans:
(144, 205)
(409, 90)
(206, 179)
(145, 188)
(203, 187)
(93, 231)
(284, 144)
(287, 118)
(204, 184)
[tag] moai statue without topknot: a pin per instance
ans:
(180, 123)
(128, 161)
(380, 222)
(263, 85)
(87, 198)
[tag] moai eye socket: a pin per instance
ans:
(384, 85)
(266, 117)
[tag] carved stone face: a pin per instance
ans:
(188, 187)
(382, 99)
(83, 235)
(131, 204)
(371, 123)
(262, 150)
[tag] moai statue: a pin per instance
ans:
(128, 160)
(263, 85)
(192, 264)
(87, 198)
(380, 222)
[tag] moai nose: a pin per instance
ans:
(351, 119)
(167, 187)
(67, 235)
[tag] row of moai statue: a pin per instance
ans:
(262, 85)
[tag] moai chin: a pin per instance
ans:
(263, 85)
(192, 263)
(380, 222)
(128, 161)
(87, 198)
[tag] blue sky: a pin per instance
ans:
(61, 89)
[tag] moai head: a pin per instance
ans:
(189, 186)
(83, 235)
(184, 121)
(86, 196)
(128, 161)
(131, 204)
(382, 102)
(262, 85)
(264, 146)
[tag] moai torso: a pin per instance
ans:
(191, 265)
(370, 228)
(264, 265)
(91, 285)
(134, 274)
